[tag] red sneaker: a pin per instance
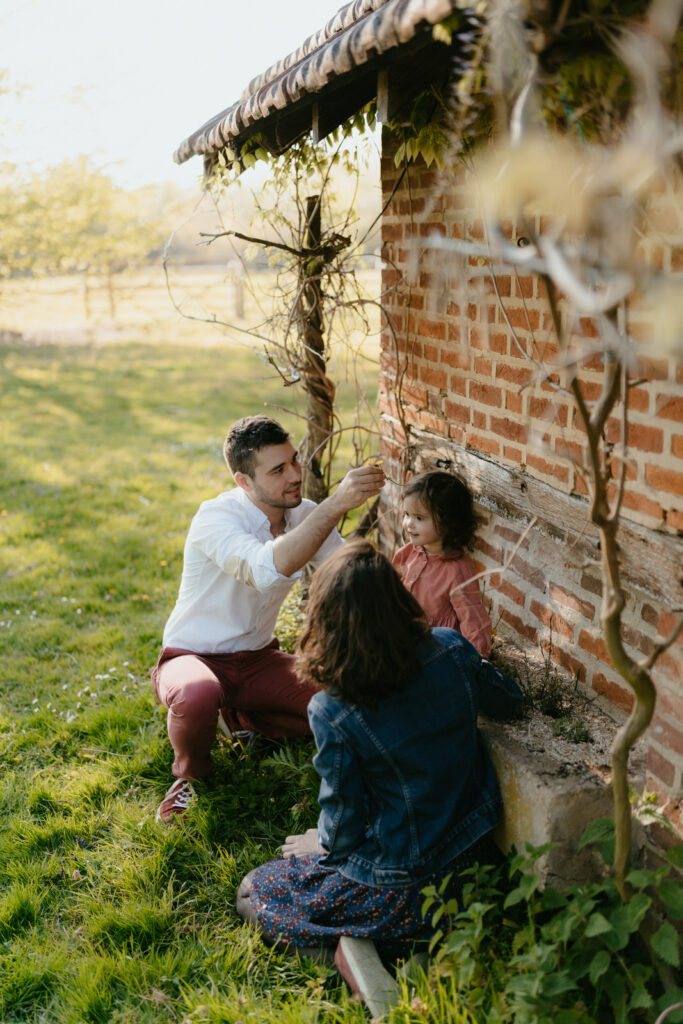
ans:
(175, 804)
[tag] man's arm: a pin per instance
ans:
(295, 548)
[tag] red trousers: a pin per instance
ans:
(260, 686)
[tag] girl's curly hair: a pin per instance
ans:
(362, 627)
(450, 505)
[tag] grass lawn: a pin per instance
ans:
(105, 916)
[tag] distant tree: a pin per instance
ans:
(72, 218)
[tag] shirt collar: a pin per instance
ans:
(257, 517)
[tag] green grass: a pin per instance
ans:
(105, 916)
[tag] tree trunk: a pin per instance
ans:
(319, 388)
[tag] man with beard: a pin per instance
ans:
(244, 551)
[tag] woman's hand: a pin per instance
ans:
(297, 846)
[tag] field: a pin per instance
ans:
(112, 430)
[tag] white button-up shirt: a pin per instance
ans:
(230, 591)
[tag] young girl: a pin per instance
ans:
(408, 792)
(439, 523)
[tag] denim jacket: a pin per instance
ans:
(408, 786)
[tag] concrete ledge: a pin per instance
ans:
(546, 801)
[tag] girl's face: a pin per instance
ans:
(419, 526)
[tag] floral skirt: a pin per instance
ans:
(296, 900)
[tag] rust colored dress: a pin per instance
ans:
(443, 585)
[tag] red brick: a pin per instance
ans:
(677, 445)
(436, 378)
(432, 329)
(513, 454)
(639, 503)
(646, 439)
(458, 412)
(498, 343)
(519, 627)
(503, 284)
(494, 554)
(486, 393)
(434, 423)
(483, 367)
(478, 419)
(458, 385)
(528, 572)
(547, 409)
(589, 327)
(511, 535)
(669, 408)
(669, 703)
(664, 479)
(638, 400)
(513, 374)
(552, 620)
(548, 468)
(430, 353)
(483, 444)
(391, 232)
(567, 662)
(525, 319)
(569, 450)
(457, 433)
(595, 645)
(666, 734)
(514, 402)
(577, 604)
(653, 369)
(593, 584)
(509, 429)
(649, 615)
(667, 623)
(524, 287)
(411, 393)
(455, 357)
(615, 694)
(675, 519)
(512, 592)
(660, 767)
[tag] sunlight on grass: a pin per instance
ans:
(108, 450)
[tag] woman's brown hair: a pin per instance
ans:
(362, 627)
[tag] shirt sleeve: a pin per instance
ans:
(223, 536)
(474, 621)
(342, 798)
(333, 541)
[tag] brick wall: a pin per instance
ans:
(457, 353)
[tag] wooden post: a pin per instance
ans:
(319, 388)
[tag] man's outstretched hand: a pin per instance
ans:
(358, 486)
(297, 846)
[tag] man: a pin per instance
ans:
(244, 551)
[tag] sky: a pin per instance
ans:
(128, 81)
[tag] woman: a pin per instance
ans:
(408, 793)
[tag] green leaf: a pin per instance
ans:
(641, 879)
(597, 925)
(672, 896)
(636, 908)
(599, 965)
(641, 999)
(675, 856)
(597, 832)
(665, 944)
(553, 900)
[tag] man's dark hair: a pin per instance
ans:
(246, 437)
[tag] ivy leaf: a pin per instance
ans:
(637, 908)
(597, 832)
(675, 856)
(665, 945)
(597, 925)
(641, 878)
(672, 895)
(599, 965)
(641, 999)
